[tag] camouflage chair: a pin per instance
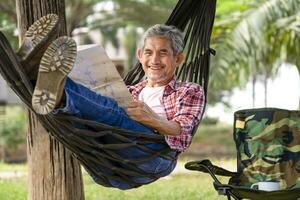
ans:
(268, 149)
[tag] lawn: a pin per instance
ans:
(176, 187)
(186, 185)
(213, 142)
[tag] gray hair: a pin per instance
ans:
(170, 32)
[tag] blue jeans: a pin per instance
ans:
(86, 104)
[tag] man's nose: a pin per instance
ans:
(155, 59)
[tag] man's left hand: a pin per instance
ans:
(141, 112)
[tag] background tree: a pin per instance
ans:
(259, 43)
(223, 77)
(229, 14)
(77, 11)
(76, 14)
(130, 15)
(53, 172)
(143, 13)
(12, 129)
(8, 20)
(131, 39)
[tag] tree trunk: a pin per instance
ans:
(299, 93)
(2, 124)
(54, 174)
(253, 90)
(266, 89)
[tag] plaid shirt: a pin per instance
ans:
(184, 103)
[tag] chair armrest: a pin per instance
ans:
(206, 166)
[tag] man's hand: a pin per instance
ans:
(141, 112)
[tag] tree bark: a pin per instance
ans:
(253, 90)
(54, 174)
(266, 89)
(2, 124)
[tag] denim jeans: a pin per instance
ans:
(86, 104)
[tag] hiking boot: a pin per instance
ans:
(55, 65)
(37, 38)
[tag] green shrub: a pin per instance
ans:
(210, 120)
(13, 126)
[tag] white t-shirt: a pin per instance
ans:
(152, 96)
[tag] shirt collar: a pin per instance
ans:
(170, 87)
(171, 84)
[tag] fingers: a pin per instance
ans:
(135, 104)
(137, 110)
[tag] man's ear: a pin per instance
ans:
(179, 58)
(139, 52)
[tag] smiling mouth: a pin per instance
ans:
(155, 68)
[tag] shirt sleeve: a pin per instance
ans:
(189, 111)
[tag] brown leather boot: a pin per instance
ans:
(37, 38)
(55, 65)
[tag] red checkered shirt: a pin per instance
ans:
(184, 103)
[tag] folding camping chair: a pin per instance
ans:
(268, 149)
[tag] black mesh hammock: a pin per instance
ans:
(195, 18)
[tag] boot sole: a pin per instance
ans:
(57, 62)
(38, 35)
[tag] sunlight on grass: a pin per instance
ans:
(182, 184)
(13, 189)
(12, 167)
(190, 185)
(175, 187)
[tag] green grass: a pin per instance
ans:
(12, 167)
(13, 189)
(176, 187)
(187, 186)
(179, 186)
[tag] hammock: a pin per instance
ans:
(196, 18)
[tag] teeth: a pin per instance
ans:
(155, 67)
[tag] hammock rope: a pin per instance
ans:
(97, 159)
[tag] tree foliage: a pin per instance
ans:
(13, 126)
(130, 15)
(144, 13)
(8, 20)
(77, 11)
(264, 37)
(223, 78)
(251, 37)
(76, 14)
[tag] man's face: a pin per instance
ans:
(158, 61)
